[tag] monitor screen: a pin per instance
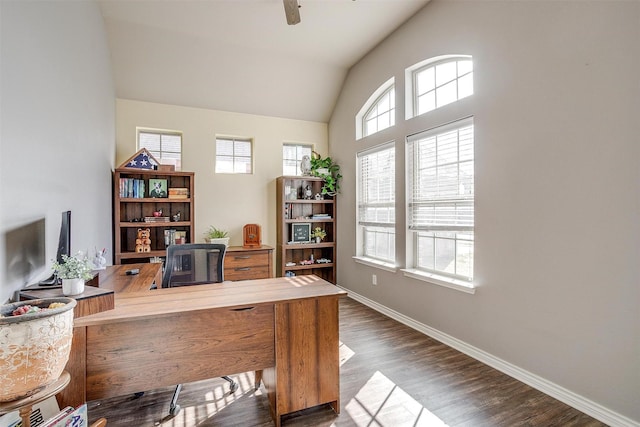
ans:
(64, 241)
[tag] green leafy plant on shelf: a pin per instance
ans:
(329, 171)
(74, 267)
(215, 233)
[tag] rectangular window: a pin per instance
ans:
(440, 199)
(234, 155)
(291, 156)
(165, 146)
(376, 216)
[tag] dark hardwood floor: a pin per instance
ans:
(391, 375)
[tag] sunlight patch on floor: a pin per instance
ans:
(382, 403)
(213, 401)
(345, 353)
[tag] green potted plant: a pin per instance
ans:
(319, 234)
(215, 235)
(328, 171)
(73, 270)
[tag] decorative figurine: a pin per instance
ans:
(307, 192)
(305, 165)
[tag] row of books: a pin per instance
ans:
(132, 188)
(175, 237)
(48, 414)
(156, 219)
(178, 193)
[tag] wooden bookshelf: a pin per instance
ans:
(129, 212)
(293, 208)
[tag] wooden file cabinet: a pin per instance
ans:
(248, 263)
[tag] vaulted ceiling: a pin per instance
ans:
(240, 55)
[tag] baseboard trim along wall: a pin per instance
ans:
(572, 399)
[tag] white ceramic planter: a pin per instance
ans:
(34, 348)
(72, 286)
(219, 241)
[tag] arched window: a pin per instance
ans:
(438, 82)
(379, 112)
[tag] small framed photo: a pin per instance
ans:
(158, 188)
(301, 232)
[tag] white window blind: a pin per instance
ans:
(376, 202)
(164, 146)
(441, 198)
(234, 155)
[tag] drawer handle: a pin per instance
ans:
(243, 269)
(243, 309)
(243, 257)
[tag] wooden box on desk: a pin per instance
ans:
(92, 300)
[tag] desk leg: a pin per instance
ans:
(75, 394)
(258, 379)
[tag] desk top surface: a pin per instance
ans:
(242, 294)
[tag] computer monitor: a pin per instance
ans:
(64, 246)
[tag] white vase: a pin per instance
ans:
(219, 241)
(318, 239)
(72, 286)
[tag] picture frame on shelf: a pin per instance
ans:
(158, 188)
(301, 232)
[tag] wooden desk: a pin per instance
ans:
(248, 263)
(115, 277)
(287, 327)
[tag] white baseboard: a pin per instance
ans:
(572, 399)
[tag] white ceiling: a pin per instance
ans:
(240, 55)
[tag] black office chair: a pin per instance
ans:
(194, 264)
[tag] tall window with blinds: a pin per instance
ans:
(376, 203)
(234, 155)
(441, 199)
(165, 146)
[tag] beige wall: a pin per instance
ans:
(226, 201)
(556, 104)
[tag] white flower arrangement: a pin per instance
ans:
(74, 267)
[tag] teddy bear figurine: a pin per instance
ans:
(143, 241)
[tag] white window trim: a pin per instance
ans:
(235, 138)
(161, 132)
(376, 263)
(409, 87)
(367, 106)
(437, 279)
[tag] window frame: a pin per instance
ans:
(413, 232)
(298, 146)
(362, 255)
(372, 101)
(234, 140)
(159, 154)
(411, 88)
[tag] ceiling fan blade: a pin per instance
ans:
(291, 10)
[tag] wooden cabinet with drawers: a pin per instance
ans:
(248, 263)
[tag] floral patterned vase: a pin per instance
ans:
(34, 347)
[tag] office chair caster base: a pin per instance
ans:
(233, 387)
(174, 410)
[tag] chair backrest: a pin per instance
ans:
(193, 264)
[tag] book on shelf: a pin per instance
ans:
(69, 417)
(156, 219)
(178, 196)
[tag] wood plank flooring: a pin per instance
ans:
(390, 376)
